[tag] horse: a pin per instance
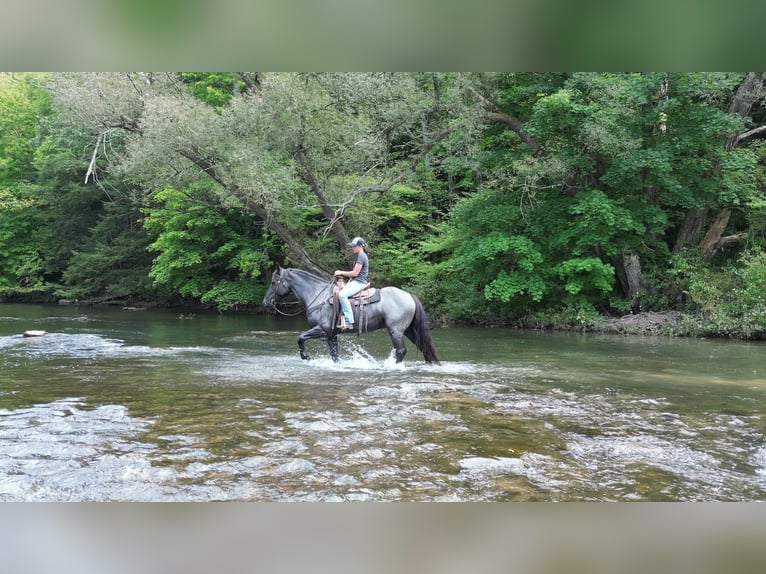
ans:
(398, 311)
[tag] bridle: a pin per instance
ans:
(275, 285)
(307, 309)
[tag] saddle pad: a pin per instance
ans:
(366, 296)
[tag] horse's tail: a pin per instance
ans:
(419, 333)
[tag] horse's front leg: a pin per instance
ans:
(332, 342)
(313, 333)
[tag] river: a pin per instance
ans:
(162, 405)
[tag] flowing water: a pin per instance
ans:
(119, 405)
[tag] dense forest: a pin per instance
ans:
(533, 199)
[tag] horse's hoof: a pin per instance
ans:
(305, 357)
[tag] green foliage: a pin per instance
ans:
(740, 177)
(732, 300)
(22, 233)
(622, 161)
(557, 117)
(588, 275)
(506, 286)
(599, 223)
(202, 252)
(435, 170)
(502, 256)
(226, 294)
(393, 224)
(756, 216)
(113, 263)
(214, 88)
(21, 267)
(490, 264)
(21, 106)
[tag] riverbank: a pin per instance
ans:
(670, 323)
(650, 323)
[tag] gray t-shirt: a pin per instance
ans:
(365, 261)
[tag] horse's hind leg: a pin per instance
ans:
(397, 340)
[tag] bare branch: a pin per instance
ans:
(332, 216)
(753, 132)
(92, 165)
(298, 253)
(140, 93)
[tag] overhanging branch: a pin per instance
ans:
(494, 113)
(753, 132)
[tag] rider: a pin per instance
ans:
(358, 276)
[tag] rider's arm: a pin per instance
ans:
(350, 274)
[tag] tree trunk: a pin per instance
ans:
(712, 240)
(747, 94)
(330, 214)
(628, 270)
(297, 255)
(690, 229)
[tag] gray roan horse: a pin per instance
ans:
(398, 311)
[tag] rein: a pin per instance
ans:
(308, 308)
(277, 309)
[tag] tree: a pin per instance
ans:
(749, 92)
(113, 260)
(498, 194)
(286, 143)
(596, 180)
(21, 229)
(204, 252)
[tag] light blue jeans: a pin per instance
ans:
(351, 288)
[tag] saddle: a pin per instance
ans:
(366, 296)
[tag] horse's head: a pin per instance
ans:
(278, 289)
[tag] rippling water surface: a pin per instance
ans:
(154, 406)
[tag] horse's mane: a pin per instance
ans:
(308, 275)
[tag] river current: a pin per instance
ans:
(121, 405)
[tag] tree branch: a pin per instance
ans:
(252, 81)
(124, 122)
(332, 216)
(724, 240)
(298, 255)
(753, 132)
(495, 113)
(92, 165)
